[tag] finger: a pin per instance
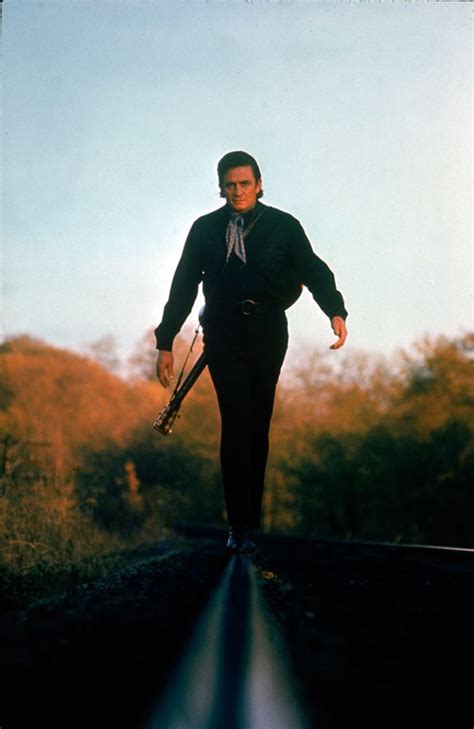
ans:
(168, 375)
(159, 373)
(163, 376)
(340, 341)
(340, 331)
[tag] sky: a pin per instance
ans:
(115, 114)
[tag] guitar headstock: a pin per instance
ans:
(165, 420)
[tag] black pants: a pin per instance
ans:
(245, 355)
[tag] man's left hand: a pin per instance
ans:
(339, 328)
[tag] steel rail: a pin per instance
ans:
(235, 673)
(442, 555)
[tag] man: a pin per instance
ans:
(252, 260)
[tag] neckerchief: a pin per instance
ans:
(234, 236)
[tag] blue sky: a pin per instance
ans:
(116, 113)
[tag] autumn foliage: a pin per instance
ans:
(361, 448)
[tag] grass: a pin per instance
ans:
(48, 545)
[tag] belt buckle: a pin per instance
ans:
(247, 307)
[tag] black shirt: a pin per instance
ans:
(279, 260)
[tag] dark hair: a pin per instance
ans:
(237, 159)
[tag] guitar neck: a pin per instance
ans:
(193, 374)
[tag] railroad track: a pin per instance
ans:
(235, 673)
(306, 633)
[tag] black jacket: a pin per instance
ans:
(279, 260)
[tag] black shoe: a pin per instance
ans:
(241, 540)
(234, 539)
(248, 543)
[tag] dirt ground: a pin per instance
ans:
(377, 637)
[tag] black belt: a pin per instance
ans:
(249, 307)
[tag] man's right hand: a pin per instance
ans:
(164, 367)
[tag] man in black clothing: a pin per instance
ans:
(252, 260)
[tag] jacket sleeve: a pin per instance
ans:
(314, 273)
(183, 292)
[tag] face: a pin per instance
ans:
(240, 188)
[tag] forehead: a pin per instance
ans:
(239, 174)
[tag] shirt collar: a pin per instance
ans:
(248, 216)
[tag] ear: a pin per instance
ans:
(259, 185)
